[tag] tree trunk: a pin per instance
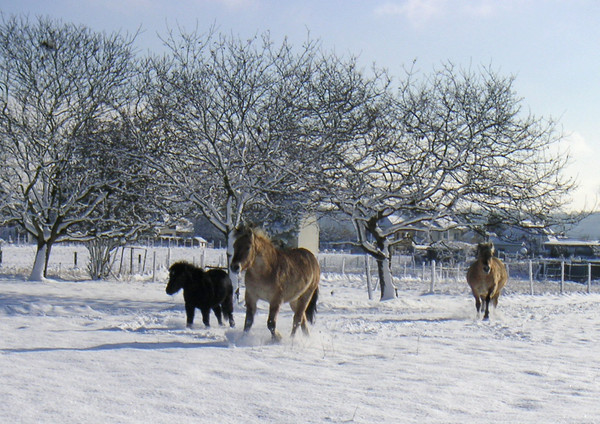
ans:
(39, 266)
(100, 257)
(384, 267)
(235, 280)
(388, 291)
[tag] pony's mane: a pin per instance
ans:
(261, 234)
(263, 239)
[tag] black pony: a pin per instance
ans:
(204, 290)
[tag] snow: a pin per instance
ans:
(119, 351)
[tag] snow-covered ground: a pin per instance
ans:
(119, 352)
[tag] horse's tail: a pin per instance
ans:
(311, 309)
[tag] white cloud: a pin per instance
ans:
(577, 145)
(584, 168)
(421, 12)
(482, 9)
(418, 12)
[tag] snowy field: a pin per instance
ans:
(75, 351)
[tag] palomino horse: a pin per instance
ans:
(486, 276)
(276, 276)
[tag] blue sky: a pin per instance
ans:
(552, 47)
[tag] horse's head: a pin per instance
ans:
(485, 252)
(178, 275)
(243, 251)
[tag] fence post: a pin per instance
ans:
(562, 277)
(432, 276)
(368, 270)
(343, 265)
(145, 256)
(154, 266)
(74, 260)
(589, 288)
(131, 261)
(530, 277)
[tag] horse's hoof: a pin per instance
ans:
(276, 337)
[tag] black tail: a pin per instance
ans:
(311, 310)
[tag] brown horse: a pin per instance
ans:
(486, 276)
(276, 276)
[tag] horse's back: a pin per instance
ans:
(305, 260)
(218, 274)
(220, 281)
(304, 255)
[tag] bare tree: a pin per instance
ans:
(59, 83)
(457, 143)
(129, 209)
(227, 125)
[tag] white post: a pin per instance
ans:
(562, 277)
(368, 270)
(589, 290)
(432, 276)
(203, 259)
(344, 266)
(530, 277)
(154, 266)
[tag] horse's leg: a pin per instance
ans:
(206, 315)
(271, 322)
(299, 308)
(477, 303)
(217, 310)
(486, 316)
(189, 312)
(227, 307)
(250, 311)
(297, 318)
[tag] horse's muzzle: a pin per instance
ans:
(486, 269)
(235, 268)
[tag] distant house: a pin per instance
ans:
(180, 234)
(565, 248)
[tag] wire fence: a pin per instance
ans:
(528, 276)
(535, 276)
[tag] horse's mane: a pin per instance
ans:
(262, 237)
(263, 241)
